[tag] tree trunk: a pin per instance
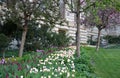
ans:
(3, 53)
(62, 8)
(98, 40)
(78, 29)
(23, 41)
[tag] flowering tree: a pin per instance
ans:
(102, 17)
(25, 12)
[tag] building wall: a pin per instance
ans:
(94, 32)
(114, 31)
(70, 27)
(84, 32)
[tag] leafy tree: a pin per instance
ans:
(78, 7)
(26, 12)
(101, 15)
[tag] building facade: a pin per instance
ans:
(70, 27)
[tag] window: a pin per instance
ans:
(62, 32)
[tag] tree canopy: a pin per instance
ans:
(28, 12)
(102, 15)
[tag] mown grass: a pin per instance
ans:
(114, 46)
(106, 62)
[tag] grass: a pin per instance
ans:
(106, 62)
(114, 46)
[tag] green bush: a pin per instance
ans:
(40, 38)
(60, 40)
(112, 39)
(91, 42)
(4, 41)
(83, 67)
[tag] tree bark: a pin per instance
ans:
(98, 40)
(23, 41)
(78, 29)
(78, 36)
(62, 8)
(3, 53)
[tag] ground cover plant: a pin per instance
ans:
(58, 64)
(106, 62)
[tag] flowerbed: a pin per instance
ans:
(60, 64)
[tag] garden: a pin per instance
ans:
(45, 38)
(58, 64)
(63, 63)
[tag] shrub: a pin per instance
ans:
(83, 66)
(41, 38)
(4, 41)
(91, 42)
(60, 40)
(112, 39)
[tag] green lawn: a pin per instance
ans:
(113, 46)
(106, 62)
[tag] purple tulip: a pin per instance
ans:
(2, 61)
(39, 50)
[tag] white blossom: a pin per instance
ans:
(34, 70)
(21, 76)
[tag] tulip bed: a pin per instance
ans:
(59, 64)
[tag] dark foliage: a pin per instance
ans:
(8, 28)
(4, 41)
(112, 39)
(43, 37)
